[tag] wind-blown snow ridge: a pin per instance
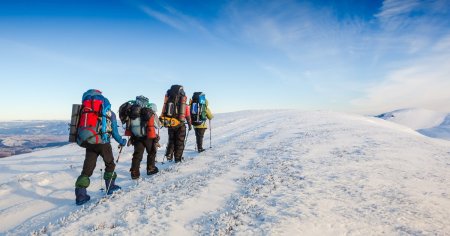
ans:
(269, 172)
(427, 122)
(415, 118)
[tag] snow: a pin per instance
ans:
(415, 118)
(269, 172)
(441, 131)
(427, 122)
(13, 142)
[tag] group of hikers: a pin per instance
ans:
(93, 123)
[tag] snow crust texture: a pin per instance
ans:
(268, 173)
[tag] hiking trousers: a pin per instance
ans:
(92, 153)
(140, 145)
(175, 146)
(199, 134)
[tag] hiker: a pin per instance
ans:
(96, 125)
(199, 114)
(174, 116)
(141, 123)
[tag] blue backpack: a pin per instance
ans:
(198, 108)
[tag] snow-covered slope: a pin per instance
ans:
(415, 118)
(427, 122)
(441, 131)
(268, 173)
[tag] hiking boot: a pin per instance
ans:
(135, 174)
(112, 186)
(177, 159)
(153, 171)
(81, 196)
(169, 158)
(201, 150)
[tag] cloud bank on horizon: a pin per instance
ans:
(361, 56)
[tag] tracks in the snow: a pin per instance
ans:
(157, 198)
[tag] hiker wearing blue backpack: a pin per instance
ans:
(199, 114)
(97, 123)
(141, 122)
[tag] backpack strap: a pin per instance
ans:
(105, 108)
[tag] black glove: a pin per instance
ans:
(190, 127)
(130, 142)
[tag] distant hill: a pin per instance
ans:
(17, 137)
(427, 122)
(34, 128)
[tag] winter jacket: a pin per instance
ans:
(209, 115)
(114, 130)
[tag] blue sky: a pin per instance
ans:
(361, 56)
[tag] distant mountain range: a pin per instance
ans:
(17, 137)
(34, 128)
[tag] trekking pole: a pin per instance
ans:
(101, 180)
(185, 141)
(110, 180)
(187, 135)
(117, 161)
(210, 130)
(109, 185)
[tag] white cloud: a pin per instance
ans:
(166, 19)
(395, 8)
(175, 19)
(422, 84)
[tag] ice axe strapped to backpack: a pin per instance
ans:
(173, 111)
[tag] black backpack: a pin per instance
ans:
(135, 118)
(139, 117)
(124, 111)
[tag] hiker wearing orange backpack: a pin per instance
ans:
(174, 116)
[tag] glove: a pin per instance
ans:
(130, 141)
(190, 127)
(123, 142)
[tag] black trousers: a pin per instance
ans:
(92, 153)
(175, 146)
(140, 145)
(199, 134)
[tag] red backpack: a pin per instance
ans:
(92, 121)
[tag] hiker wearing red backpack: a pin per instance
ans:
(174, 116)
(141, 122)
(199, 114)
(97, 123)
